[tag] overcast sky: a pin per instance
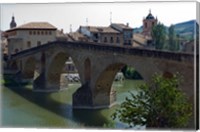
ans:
(98, 14)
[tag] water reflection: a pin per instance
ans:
(54, 109)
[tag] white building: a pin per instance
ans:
(29, 35)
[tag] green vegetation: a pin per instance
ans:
(8, 80)
(185, 30)
(159, 36)
(159, 104)
(131, 73)
(173, 42)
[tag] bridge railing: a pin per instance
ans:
(115, 49)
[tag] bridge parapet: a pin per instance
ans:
(176, 56)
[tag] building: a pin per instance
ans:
(77, 36)
(105, 35)
(61, 36)
(148, 24)
(4, 43)
(144, 38)
(29, 35)
(126, 31)
(188, 47)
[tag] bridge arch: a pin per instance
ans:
(29, 68)
(103, 92)
(56, 68)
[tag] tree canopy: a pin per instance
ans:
(173, 42)
(159, 103)
(159, 36)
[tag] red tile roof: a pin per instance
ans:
(101, 29)
(34, 25)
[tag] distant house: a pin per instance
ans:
(77, 36)
(29, 35)
(61, 36)
(140, 40)
(126, 31)
(188, 47)
(105, 35)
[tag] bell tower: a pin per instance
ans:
(148, 24)
(13, 23)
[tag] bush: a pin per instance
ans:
(158, 104)
(131, 73)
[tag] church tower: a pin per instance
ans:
(148, 24)
(13, 23)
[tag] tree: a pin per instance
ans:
(158, 104)
(159, 36)
(173, 39)
(130, 73)
(171, 35)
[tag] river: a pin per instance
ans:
(21, 107)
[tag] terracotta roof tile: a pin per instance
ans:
(121, 25)
(101, 29)
(35, 25)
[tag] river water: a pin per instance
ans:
(21, 107)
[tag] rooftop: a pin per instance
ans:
(77, 36)
(150, 16)
(121, 25)
(34, 25)
(100, 29)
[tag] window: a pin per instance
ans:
(28, 44)
(38, 32)
(45, 32)
(105, 40)
(30, 32)
(153, 24)
(38, 43)
(145, 25)
(129, 42)
(49, 32)
(34, 32)
(96, 36)
(111, 39)
(42, 33)
(118, 40)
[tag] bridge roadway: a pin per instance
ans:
(97, 65)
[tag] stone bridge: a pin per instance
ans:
(97, 65)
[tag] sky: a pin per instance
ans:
(96, 14)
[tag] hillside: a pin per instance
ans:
(184, 29)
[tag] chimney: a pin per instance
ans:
(127, 24)
(61, 31)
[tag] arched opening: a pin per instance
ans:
(62, 71)
(29, 68)
(87, 70)
(14, 66)
(113, 80)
